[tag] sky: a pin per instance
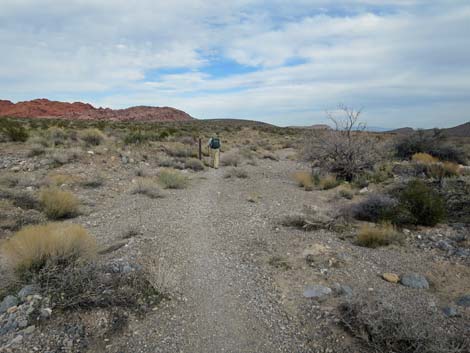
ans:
(403, 62)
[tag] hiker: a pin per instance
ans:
(214, 145)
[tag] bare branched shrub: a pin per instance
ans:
(387, 328)
(346, 150)
(93, 286)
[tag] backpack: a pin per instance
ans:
(215, 143)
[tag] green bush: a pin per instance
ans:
(13, 130)
(419, 204)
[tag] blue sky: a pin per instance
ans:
(404, 62)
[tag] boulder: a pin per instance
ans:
(464, 301)
(7, 303)
(414, 280)
(317, 291)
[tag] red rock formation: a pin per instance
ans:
(45, 108)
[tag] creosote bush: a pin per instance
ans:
(58, 204)
(13, 130)
(419, 204)
(379, 235)
(33, 246)
(172, 179)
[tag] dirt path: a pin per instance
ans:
(225, 304)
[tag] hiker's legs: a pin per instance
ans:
(211, 154)
(216, 158)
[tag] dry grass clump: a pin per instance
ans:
(194, 164)
(20, 198)
(424, 158)
(33, 246)
(236, 173)
(148, 188)
(95, 181)
(346, 192)
(58, 204)
(172, 179)
(329, 182)
(61, 157)
(92, 137)
(60, 179)
(230, 159)
(379, 235)
(304, 179)
(269, 155)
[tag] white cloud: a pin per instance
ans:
(406, 59)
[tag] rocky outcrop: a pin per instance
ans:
(44, 108)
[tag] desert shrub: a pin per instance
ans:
(236, 173)
(419, 204)
(13, 130)
(441, 170)
(61, 157)
(375, 208)
(310, 219)
(304, 179)
(194, 164)
(329, 182)
(148, 188)
(58, 204)
(181, 151)
(347, 150)
(389, 328)
(279, 262)
(94, 181)
(20, 198)
(448, 152)
(136, 137)
(56, 135)
(379, 235)
(230, 159)
(89, 286)
(346, 193)
(60, 179)
(424, 158)
(269, 155)
(433, 143)
(92, 137)
(36, 150)
(172, 179)
(32, 247)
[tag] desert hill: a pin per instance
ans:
(44, 108)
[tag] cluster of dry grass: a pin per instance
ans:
(33, 246)
(58, 204)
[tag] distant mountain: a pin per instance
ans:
(44, 108)
(457, 131)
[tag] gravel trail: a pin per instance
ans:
(226, 303)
